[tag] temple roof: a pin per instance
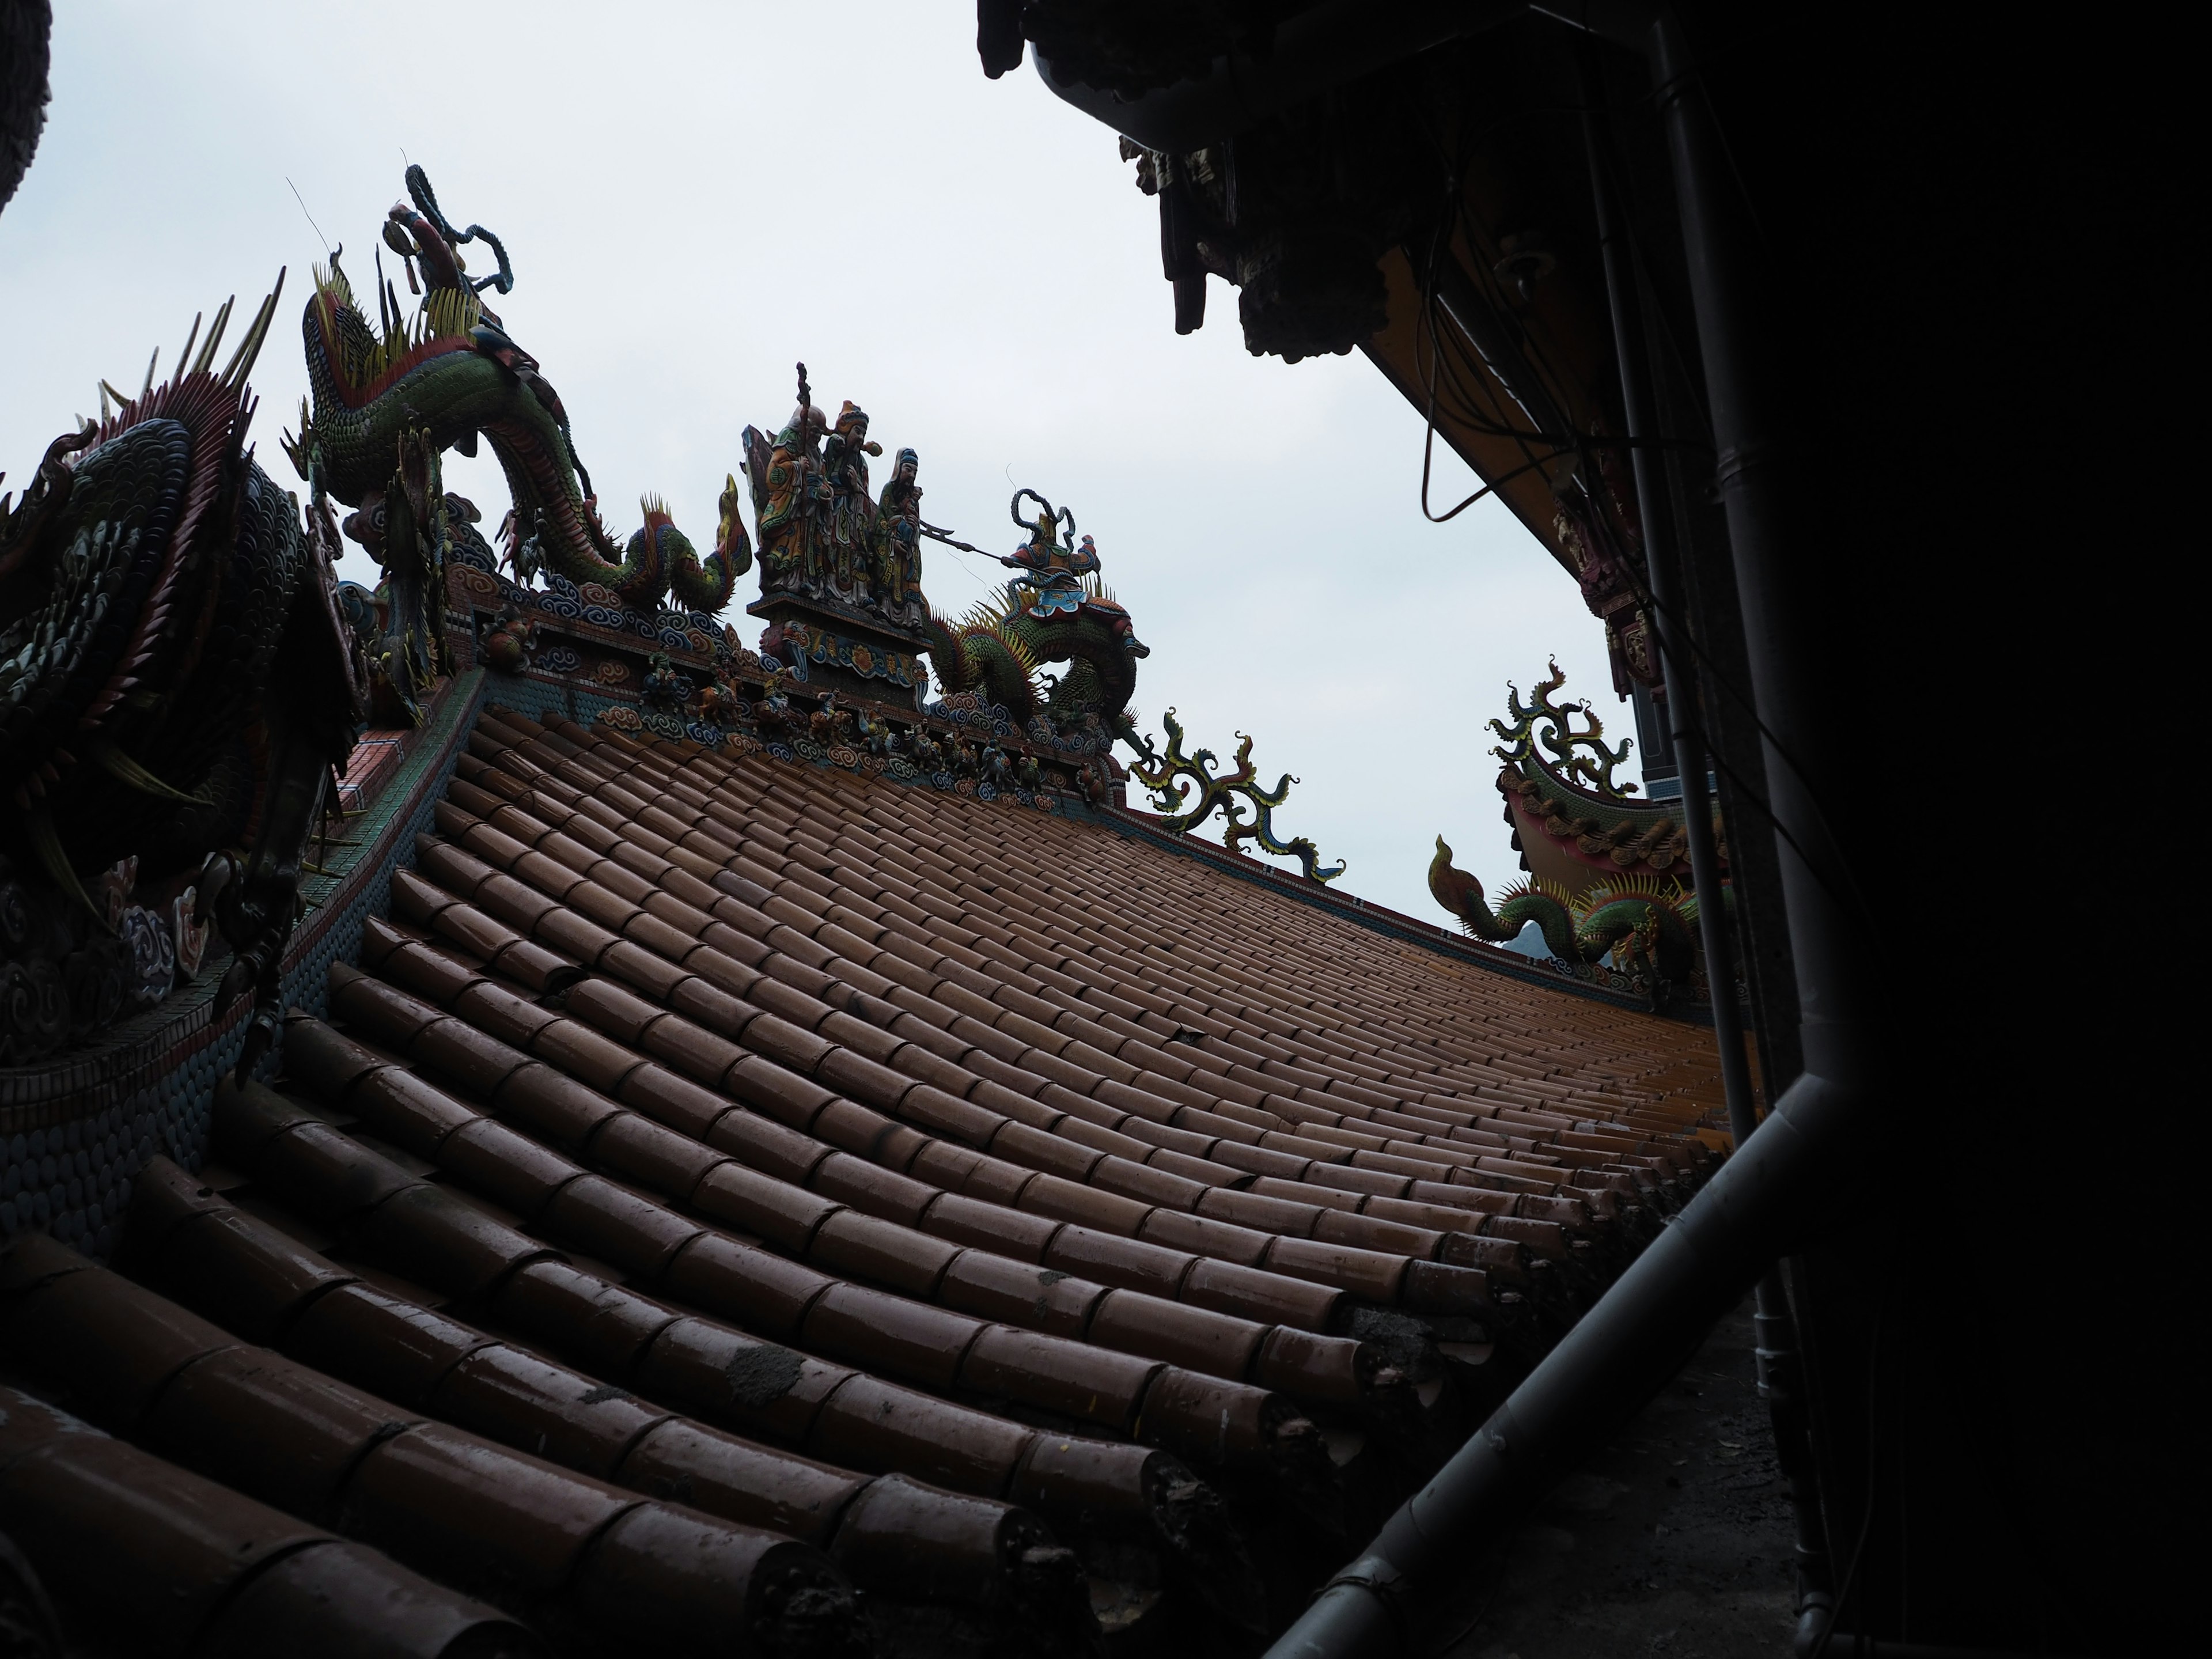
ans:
(971, 1202)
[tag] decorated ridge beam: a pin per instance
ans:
(1607, 883)
(1573, 825)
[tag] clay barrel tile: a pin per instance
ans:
(246, 1275)
(1038, 1149)
(499, 1011)
(519, 1400)
(1043, 1299)
(478, 1513)
(1146, 1182)
(1368, 1274)
(1543, 1238)
(406, 1109)
(649, 958)
(765, 1145)
(1088, 1383)
(379, 1011)
(1218, 1345)
(966, 1220)
(317, 1057)
(457, 871)
(1270, 1297)
(684, 1106)
(478, 933)
(454, 1050)
(996, 1096)
(600, 1327)
(775, 1090)
(890, 1336)
(673, 1582)
(1259, 1211)
(1330, 1369)
(570, 932)
(744, 1283)
(690, 1048)
(594, 1216)
(1203, 1236)
(1101, 1485)
(1475, 1200)
(879, 1086)
(1114, 1259)
(902, 1538)
(1048, 1195)
(267, 1425)
(868, 1247)
(1212, 1422)
(309, 1163)
(1261, 1161)
(394, 1349)
(150, 1550)
(610, 1008)
(877, 1426)
(717, 1473)
(778, 1039)
(873, 1190)
(787, 1216)
(865, 1132)
(1437, 1287)
(707, 1371)
(510, 1169)
(633, 1148)
(551, 1106)
(592, 1060)
(108, 1344)
(342, 1599)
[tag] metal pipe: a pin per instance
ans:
(1810, 1146)
(1623, 1349)
(1775, 567)
(1676, 667)
(1779, 1379)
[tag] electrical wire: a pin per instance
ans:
(1850, 896)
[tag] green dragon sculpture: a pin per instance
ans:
(1641, 924)
(1057, 610)
(389, 400)
(1188, 804)
(176, 688)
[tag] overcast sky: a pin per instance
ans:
(694, 196)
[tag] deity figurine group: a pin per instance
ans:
(821, 533)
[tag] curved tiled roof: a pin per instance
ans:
(784, 1181)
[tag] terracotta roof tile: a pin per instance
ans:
(763, 1101)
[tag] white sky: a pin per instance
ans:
(694, 196)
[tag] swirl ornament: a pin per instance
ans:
(1186, 790)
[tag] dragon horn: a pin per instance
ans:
(186, 355)
(242, 360)
(200, 364)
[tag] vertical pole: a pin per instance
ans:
(1773, 563)
(1777, 1345)
(1677, 669)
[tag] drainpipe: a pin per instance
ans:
(1807, 1153)
(1780, 1383)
